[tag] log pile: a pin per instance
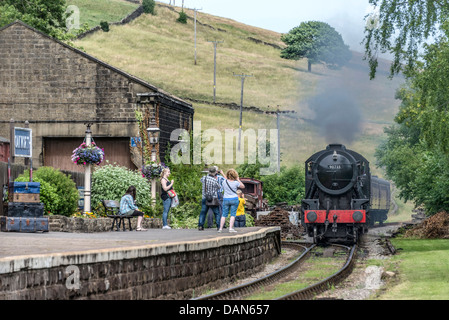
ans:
(280, 218)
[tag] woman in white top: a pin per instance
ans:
(230, 198)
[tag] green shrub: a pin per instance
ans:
(285, 186)
(48, 195)
(58, 191)
(182, 17)
(148, 6)
(111, 182)
(104, 25)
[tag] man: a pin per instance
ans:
(220, 179)
(210, 188)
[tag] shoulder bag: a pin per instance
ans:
(171, 193)
(211, 201)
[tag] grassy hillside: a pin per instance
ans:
(161, 51)
(93, 12)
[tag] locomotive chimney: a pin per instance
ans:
(334, 156)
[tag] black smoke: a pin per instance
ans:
(337, 115)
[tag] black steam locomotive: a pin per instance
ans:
(341, 198)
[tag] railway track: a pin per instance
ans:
(304, 294)
(319, 287)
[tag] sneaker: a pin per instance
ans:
(166, 227)
(201, 228)
(219, 230)
(232, 230)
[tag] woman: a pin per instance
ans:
(128, 207)
(166, 200)
(230, 198)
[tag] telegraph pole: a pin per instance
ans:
(242, 76)
(195, 10)
(278, 113)
(215, 64)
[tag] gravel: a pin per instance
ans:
(364, 281)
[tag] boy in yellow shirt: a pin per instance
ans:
(240, 219)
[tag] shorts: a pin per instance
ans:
(230, 205)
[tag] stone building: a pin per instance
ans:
(59, 89)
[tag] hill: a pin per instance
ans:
(331, 105)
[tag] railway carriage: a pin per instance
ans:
(337, 203)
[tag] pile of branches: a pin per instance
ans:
(434, 227)
(280, 218)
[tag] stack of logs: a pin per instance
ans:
(280, 217)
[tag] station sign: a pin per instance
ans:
(23, 139)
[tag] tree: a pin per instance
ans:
(318, 42)
(416, 153)
(47, 16)
(400, 27)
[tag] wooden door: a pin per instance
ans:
(58, 152)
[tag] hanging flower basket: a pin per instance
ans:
(84, 154)
(153, 170)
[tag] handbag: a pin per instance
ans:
(171, 193)
(211, 201)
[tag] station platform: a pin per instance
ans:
(13, 244)
(130, 265)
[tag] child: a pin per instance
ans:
(240, 219)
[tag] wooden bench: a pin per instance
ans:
(112, 208)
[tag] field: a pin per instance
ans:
(422, 270)
(161, 51)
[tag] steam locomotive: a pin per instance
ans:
(342, 199)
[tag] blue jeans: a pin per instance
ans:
(230, 205)
(210, 218)
(240, 221)
(204, 209)
(167, 206)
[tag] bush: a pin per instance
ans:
(104, 25)
(111, 182)
(285, 186)
(148, 6)
(58, 191)
(182, 17)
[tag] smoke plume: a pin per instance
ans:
(337, 115)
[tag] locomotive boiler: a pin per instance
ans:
(338, 191)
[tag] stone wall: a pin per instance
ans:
(84, 225)
(172, 271)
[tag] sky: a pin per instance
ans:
(345, 16)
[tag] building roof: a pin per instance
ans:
(188, 106)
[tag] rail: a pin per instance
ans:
(249, 287)
(324, 285)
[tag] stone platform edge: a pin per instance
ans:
(50, 260)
